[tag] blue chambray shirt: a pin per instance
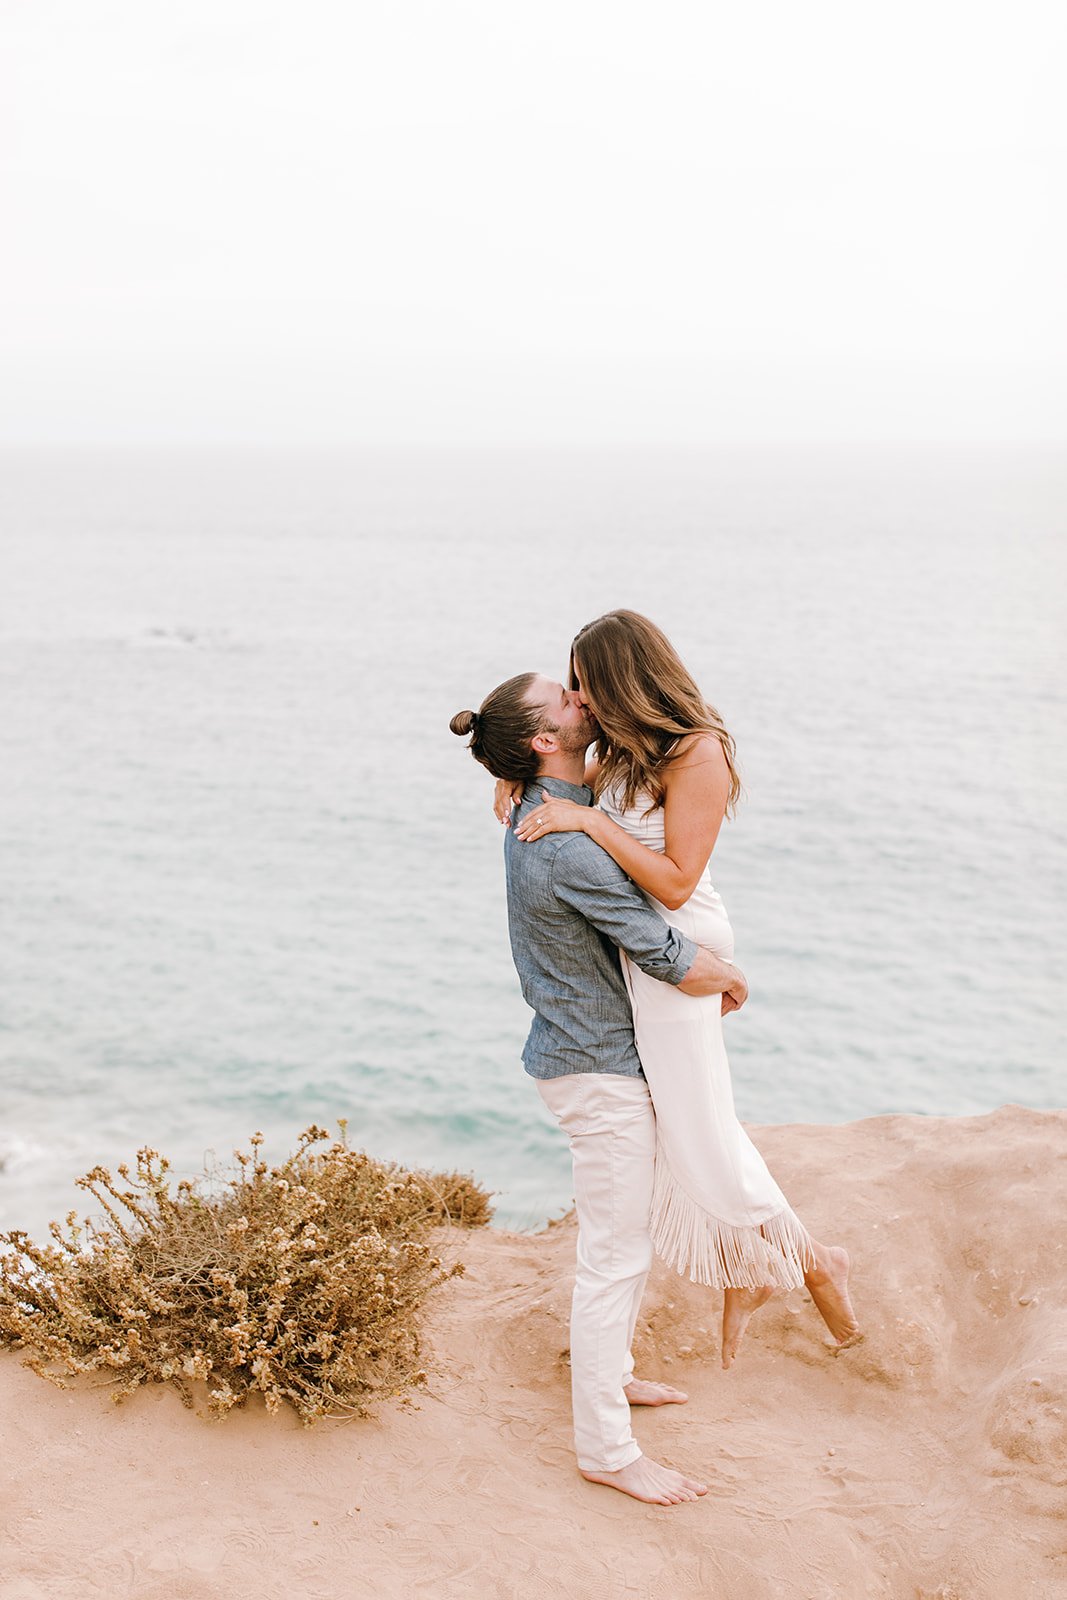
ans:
(570, 909)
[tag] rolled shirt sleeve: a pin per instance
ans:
(587, 879)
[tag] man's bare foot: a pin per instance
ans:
(737, 1307)
(827, 1283)
(641, 1392)
(648, 1480)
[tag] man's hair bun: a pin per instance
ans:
(502, 732)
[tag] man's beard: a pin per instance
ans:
(574, 741)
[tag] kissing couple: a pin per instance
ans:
(615, 787)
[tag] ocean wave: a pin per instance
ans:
(180, 637)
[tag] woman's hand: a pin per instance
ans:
(555, 816)
(505, 796)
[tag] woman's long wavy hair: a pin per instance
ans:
(645, 701)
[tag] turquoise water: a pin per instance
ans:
(251, 881)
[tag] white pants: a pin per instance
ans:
(612, 1130)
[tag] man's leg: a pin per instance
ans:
(612, 1130)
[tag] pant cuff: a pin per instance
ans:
(626, 1456)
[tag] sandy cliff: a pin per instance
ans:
(929, 1461)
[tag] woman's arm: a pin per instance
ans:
(697, 785)
(507, 795)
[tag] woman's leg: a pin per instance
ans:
(827, 1283)
(737, 1308)
(826, 1280)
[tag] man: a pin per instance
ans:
(570, 910)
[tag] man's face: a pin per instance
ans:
(563, 714)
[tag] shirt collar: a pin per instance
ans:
(581, 794)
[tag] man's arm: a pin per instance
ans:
(589, 881)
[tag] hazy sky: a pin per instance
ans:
(237, 220)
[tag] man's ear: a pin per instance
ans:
(544, 743)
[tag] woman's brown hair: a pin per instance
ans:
(501, 732)
(645, 701)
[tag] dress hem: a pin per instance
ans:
(719, 1254)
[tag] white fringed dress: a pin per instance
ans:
(717, 1214)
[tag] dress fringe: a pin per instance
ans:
(720, 1255)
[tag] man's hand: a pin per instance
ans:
(734, 998)
(711, 975)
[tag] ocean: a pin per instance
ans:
(250, 881)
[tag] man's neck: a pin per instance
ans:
(567, 768)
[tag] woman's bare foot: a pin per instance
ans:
(648, 1480)
(737, 1307)
(641, 1392)
(827, 1283)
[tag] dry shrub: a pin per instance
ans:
(302, 1281)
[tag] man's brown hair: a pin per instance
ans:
(503, 729)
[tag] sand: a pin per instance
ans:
(929, 1461)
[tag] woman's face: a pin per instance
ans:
(579, 687)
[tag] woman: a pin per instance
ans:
(665, 778)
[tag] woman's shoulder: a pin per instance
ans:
(691, 750)
(698, 771)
